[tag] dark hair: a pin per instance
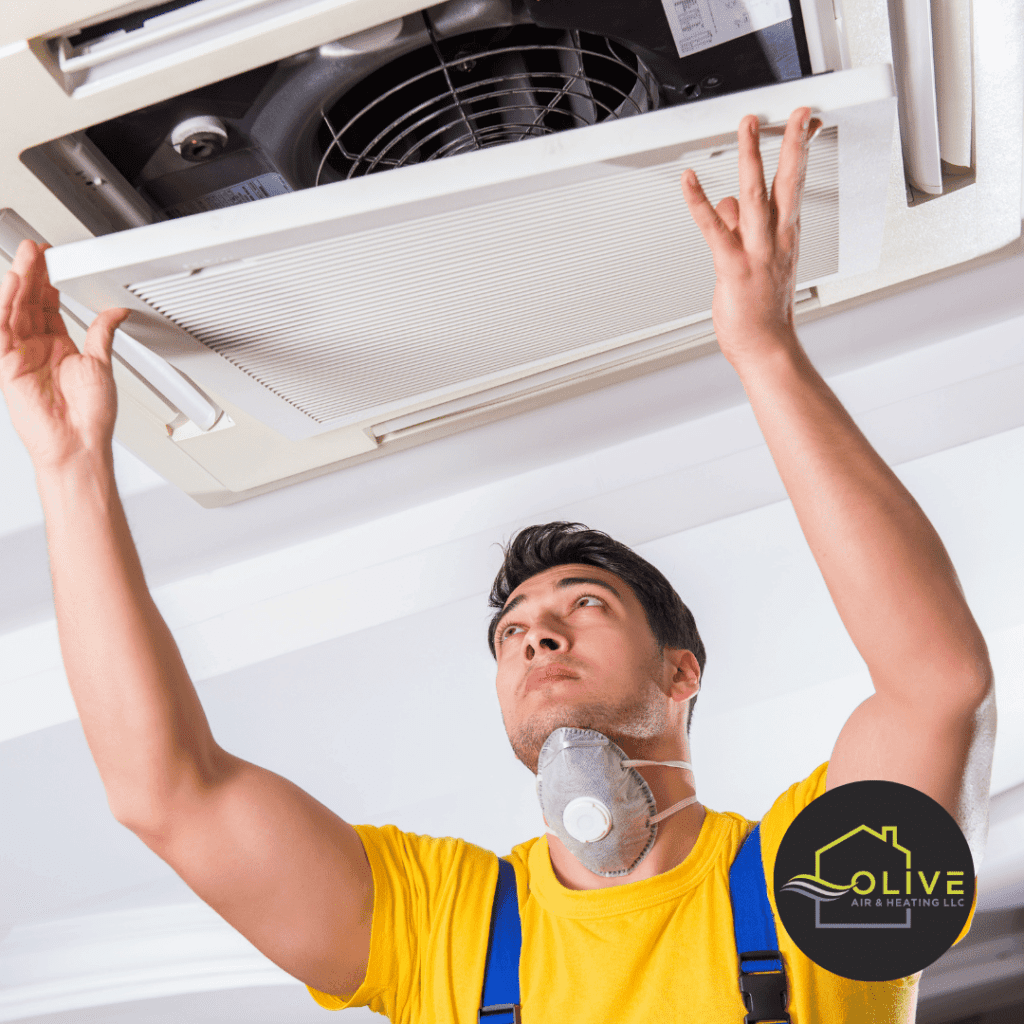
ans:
(537, 548)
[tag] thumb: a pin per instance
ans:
(99, 341)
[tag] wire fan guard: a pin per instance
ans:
(481, 90)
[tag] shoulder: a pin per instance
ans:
(785, 808)
(519, 858)
(731, 829)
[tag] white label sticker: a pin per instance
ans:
(700, 24)
(262, 187)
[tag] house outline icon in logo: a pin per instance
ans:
(820, 890)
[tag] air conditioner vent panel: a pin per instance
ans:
(364, 300)
(580, 266)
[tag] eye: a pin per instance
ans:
(505, 633)
(588, 597)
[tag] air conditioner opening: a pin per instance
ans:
(450, 79)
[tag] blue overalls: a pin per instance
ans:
(762, 971)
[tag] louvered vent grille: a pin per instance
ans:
(409, 312)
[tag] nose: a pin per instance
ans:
(546, 642)
(543, 637)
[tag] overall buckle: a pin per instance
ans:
(764, 992)
(502, 1008)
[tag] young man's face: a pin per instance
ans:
(574, 649)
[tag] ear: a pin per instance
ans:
(686, 677)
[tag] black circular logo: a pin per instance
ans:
(874, 881)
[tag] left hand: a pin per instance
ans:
(755, 242)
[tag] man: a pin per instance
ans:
(586, 635)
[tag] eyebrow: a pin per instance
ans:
(569, 581)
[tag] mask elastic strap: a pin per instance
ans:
(673, 764)
(675, 807)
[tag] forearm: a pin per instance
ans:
(883, 563)
(139, 710)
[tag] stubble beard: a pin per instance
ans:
(635, 724)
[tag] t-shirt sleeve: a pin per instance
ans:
(782, 813)
(420, 883)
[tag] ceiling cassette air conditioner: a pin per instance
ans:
(344, 228)
(384, 296)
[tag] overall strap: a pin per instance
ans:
(762, 970)
(500, 1001)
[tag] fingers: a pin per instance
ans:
(19, 320)
(787, 189)
(36, 280)
(758, 214)
(755, 215)
(26, 316)
(729, 210)
(49, 299)
(8, 290)
(715, 230)
(24, 257)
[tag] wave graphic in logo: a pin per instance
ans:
(816, 888)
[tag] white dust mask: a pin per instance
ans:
(596, 802)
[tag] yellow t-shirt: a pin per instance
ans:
(658, 951)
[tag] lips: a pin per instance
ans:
(547, 674)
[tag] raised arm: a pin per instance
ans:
(931, 722)
(285, 871)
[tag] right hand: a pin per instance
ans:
(62, 402)
(755, 243)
